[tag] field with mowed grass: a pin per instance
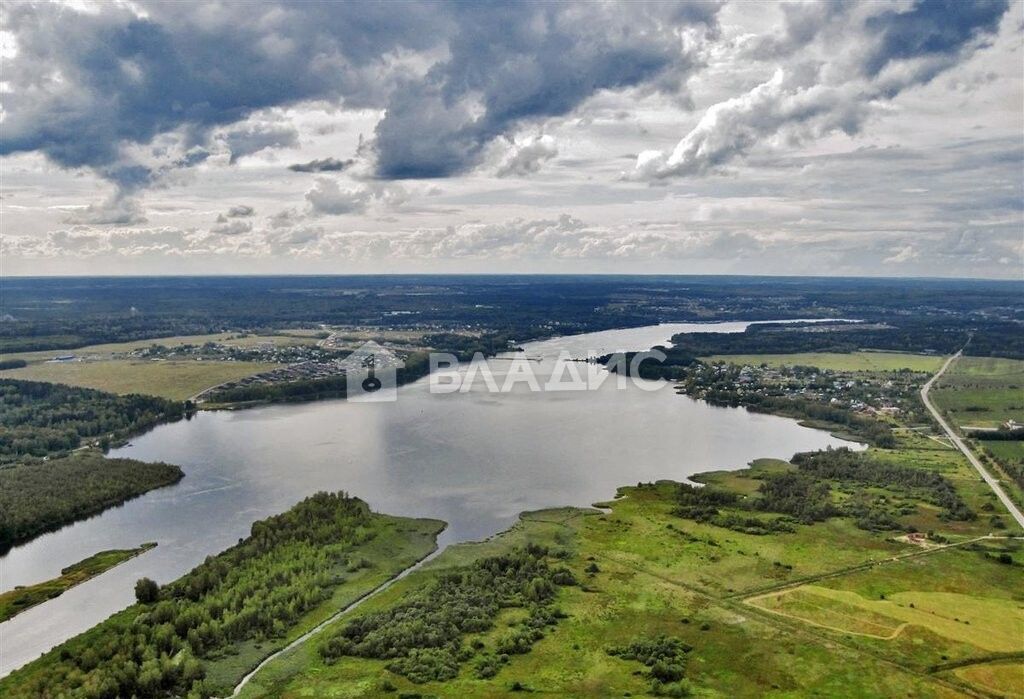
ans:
(668, 606)
(835, 361)
(283, 338)
(982, 391)
(175, 380)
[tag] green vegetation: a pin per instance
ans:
(1008, 456)
(832, 574)
(111, 350)
(416, 365)
(918, 333)
(666, 658)
(201, 633)
(422, 636)
(39, 497)
(852, 361)
(173, 380)
(38, 419)
(6, 364)
(982, 392)
(671, 606)
(43, 485)
(21, 598)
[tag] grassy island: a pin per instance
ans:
(19, 599)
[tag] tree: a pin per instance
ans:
(146, 591)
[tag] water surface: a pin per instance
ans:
(473, 459)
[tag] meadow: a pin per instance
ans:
(828, 609)
(174, 380)
(982, 391)
(231, 339)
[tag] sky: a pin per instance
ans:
(881, 138)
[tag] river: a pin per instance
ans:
(474, 459)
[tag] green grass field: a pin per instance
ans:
(660, 574)
(1003, 678)
(285, 338)
(19, 599)
(853, 361)
(988, 623)
(982, 391)
(176, 380)
(1004, 449)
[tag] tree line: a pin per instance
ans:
(39, 497)
(258, 589)
(40, 419)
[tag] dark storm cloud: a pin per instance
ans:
(930, 28)
(514, 62)
(84, 84)
(253, 139)
(322, 165)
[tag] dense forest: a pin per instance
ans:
(981, 337)
(49, 313)
(423, 636)
(41, 496)
(416, 366)
(257, 589)
(39, 419)
(805, 495)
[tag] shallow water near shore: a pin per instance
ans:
(474, 459)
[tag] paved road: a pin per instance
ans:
(992, 482)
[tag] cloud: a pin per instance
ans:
(324, 165)
(863, 61)
(232, 227)
(451, 77)
(117, 209)
(253, 138)
(515, 63)
(901, 254)
(566, 240)
(240, 211)
(931, 28)
(327, 197)
(84, 83)
(526, 157)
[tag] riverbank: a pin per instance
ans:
(828, 608)
(21, 599)
(220, 620)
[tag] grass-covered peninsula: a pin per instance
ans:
(199, 635)
(25, 597)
